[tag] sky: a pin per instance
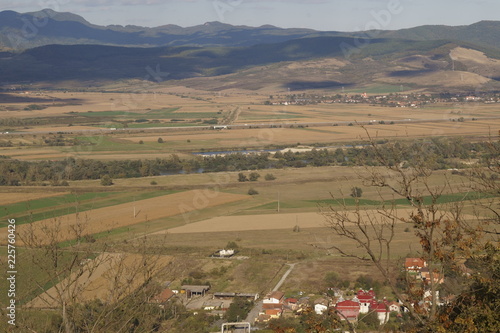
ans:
(326, 15)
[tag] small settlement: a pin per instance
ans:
(348, 305)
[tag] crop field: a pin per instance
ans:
(61, 113)
(109, 218)
(109, 277)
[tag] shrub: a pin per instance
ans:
(242, 177)
(254, 176)
(252, 191)
(269, 176)
(106, 180)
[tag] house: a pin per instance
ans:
(164, 296)
(382, 312)
(394, 307)
(262, 318)
(275, 297)
(291, 303)
(320, 306)
(414, 265)
(273, 313)
(365, 299)
(348, 310)
(273, 300)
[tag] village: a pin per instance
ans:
(344, 305)
(400, 99)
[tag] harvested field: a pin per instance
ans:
(109, 218)
(273, 221)
(110, 277)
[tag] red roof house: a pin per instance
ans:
(348, 310)
(414, 264)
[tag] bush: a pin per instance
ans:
(106, 180)
(242, 177)
(252, 191)
(160, 140)
(269, 176)
(153, 182)
(254, 176)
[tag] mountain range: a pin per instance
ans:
(48, 46)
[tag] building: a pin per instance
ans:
(414, 265)
(321, 306)
(394, 307)
(425, 274)
(275, 297)
(348, 310)
(365, 299)
(163, 297)
(192, 290)
(291, 303)
(382, 312)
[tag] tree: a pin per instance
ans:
(446, 236)
(122, 296)
(254, 176)
(242, 177)
(106, 180)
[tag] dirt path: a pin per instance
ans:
(283, 278)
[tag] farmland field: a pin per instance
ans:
(107, 219)
(186, 217)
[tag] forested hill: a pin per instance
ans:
(20, 31)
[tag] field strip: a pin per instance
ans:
(109, 277)
(109, 218)
(268, 222)
(10, 198)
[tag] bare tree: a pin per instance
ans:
(446, 234)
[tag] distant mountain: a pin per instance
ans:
(484, 33)
(24, 31)
(28, 30)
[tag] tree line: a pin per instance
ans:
(438, 153)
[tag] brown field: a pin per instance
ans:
(252, 111)
(106, 219)
(277, 221)
(109, 277)
(328, 134)
(10, 198)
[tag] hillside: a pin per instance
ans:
(287, 64)
(23, 31)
